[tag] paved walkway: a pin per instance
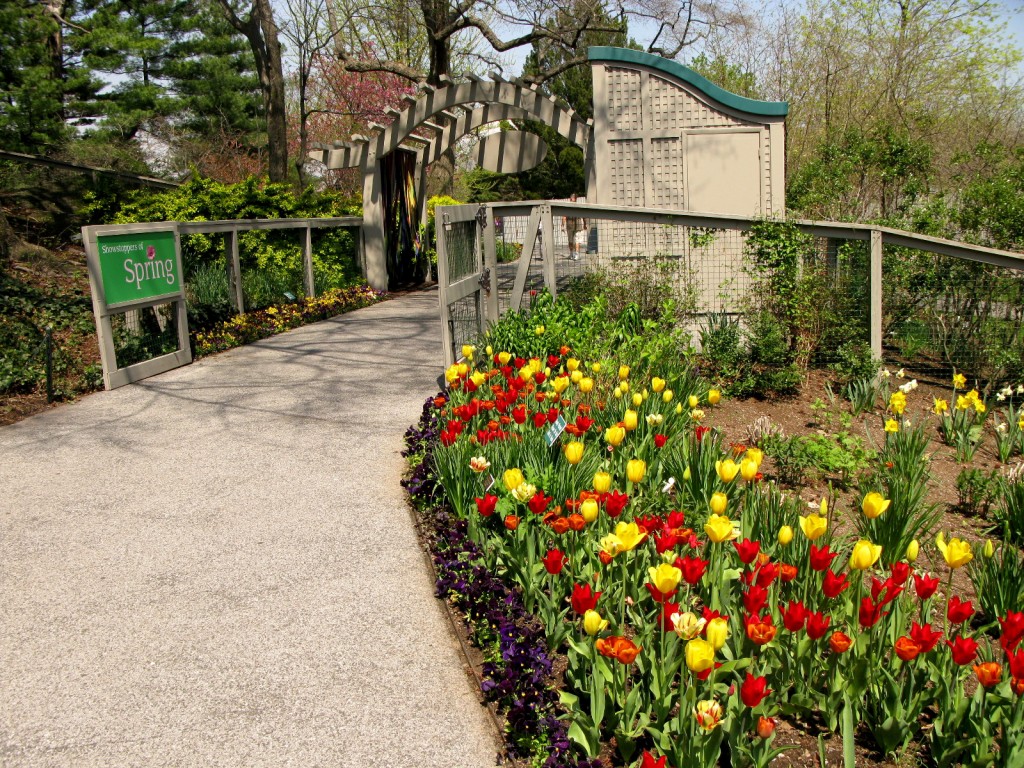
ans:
(216, 566)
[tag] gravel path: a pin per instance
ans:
(216, 566)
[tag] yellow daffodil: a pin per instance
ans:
(602, 482)
(727, 470)
(892, 426)
(940, 406)
(959, 381)
(956, 552)
(665, 577)
(874, 504)
(813, 526)
(988, 550)
(700, 655)
(719, 528)
(574, 452)
(864, 555)
(593, 623)
(635, 470)
(898, 402)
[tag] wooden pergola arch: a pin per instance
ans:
(432, 122)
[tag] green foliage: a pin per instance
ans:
(976, 491)
(429, 233)
(841, 457)
(997, 581)
(1010, 511)
(726, 75)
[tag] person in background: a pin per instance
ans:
(573, 225)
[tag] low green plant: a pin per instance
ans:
(854, 361)
(841, 457)
(506, 252)
(976, 491)
(208, 297)
(963, 424)
(1009, 433)
(1009, 514)
(997, 577)
(862, 394)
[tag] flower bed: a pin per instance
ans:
(253, 326)
(694, 602)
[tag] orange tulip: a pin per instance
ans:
(511, 522)
(620, 648)
(761, 631)
(989, 673)
(907, 649)
(840, 642)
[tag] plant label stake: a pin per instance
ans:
(555, 430)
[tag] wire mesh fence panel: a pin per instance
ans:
(462, 249)
(464, 322)
(509, 248)
(942, 314)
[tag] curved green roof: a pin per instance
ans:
(677, 70)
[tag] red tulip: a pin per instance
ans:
(925, 585)
(693, 568)
(676, 519)
(539, 420)
(486, 505)
(650, 523)
(884, 592)
(660, 440)
(583, 423)
(925, 636)
(869, 613)
(667, 609)
(754, 690)
(963, 650)
(747, 550)
(755, 599)
(554, 561)
(666, 541)
(657, 594)
(1013, 630)
(583, 598)
(614, 503)
(699, 433)
(538, 503)
(900, 572)
(1015, 661)
(519, 414)
(834, 584)
(817, 624)
(552, 414)
(959, 611)
(821, 557)
(794, 615)
(766, 574)
(648, 761)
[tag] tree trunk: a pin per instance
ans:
(261, 32)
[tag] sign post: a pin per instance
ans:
(132, 267)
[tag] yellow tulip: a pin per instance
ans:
(755, 455)
(588, 509)
(638, 399)
(657, 384)
(611, 545)
(957, 552)
(595, 367)
(489, 350)
(468, 350)
(574, 452)
(630, 535)
(700, 655)
(864, 555)
(714, 396)
(504, 357)
(727, 470)
(614, 436)
(748, 469)
(451, 373)
(513, 478)
(623, 372)
(717, 632)
(813, 526)
(524, 492)
(630, 420)
(560, 384)
(617, 393)
(586, 385)
(785, 535)
(572, 364)
(478, 378)
(635, 470)
(593, 623)
(666, 396)
(719, 501)
(989, 550)
(687, 474)
(874, 504)
(602, 482)
(912, 550)
(576, 376)
(624, 386)
(539, 330)
(687, 625)
(693, 401)
(665, 577)
(719, 528)
(679, 408)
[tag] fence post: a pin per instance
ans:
(548, 249)
(308, 261)
(490, 267)
(875, 310)
(235, 271)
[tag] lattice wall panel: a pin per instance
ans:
(673, 107)
(625, 100)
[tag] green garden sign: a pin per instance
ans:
(138, 266)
